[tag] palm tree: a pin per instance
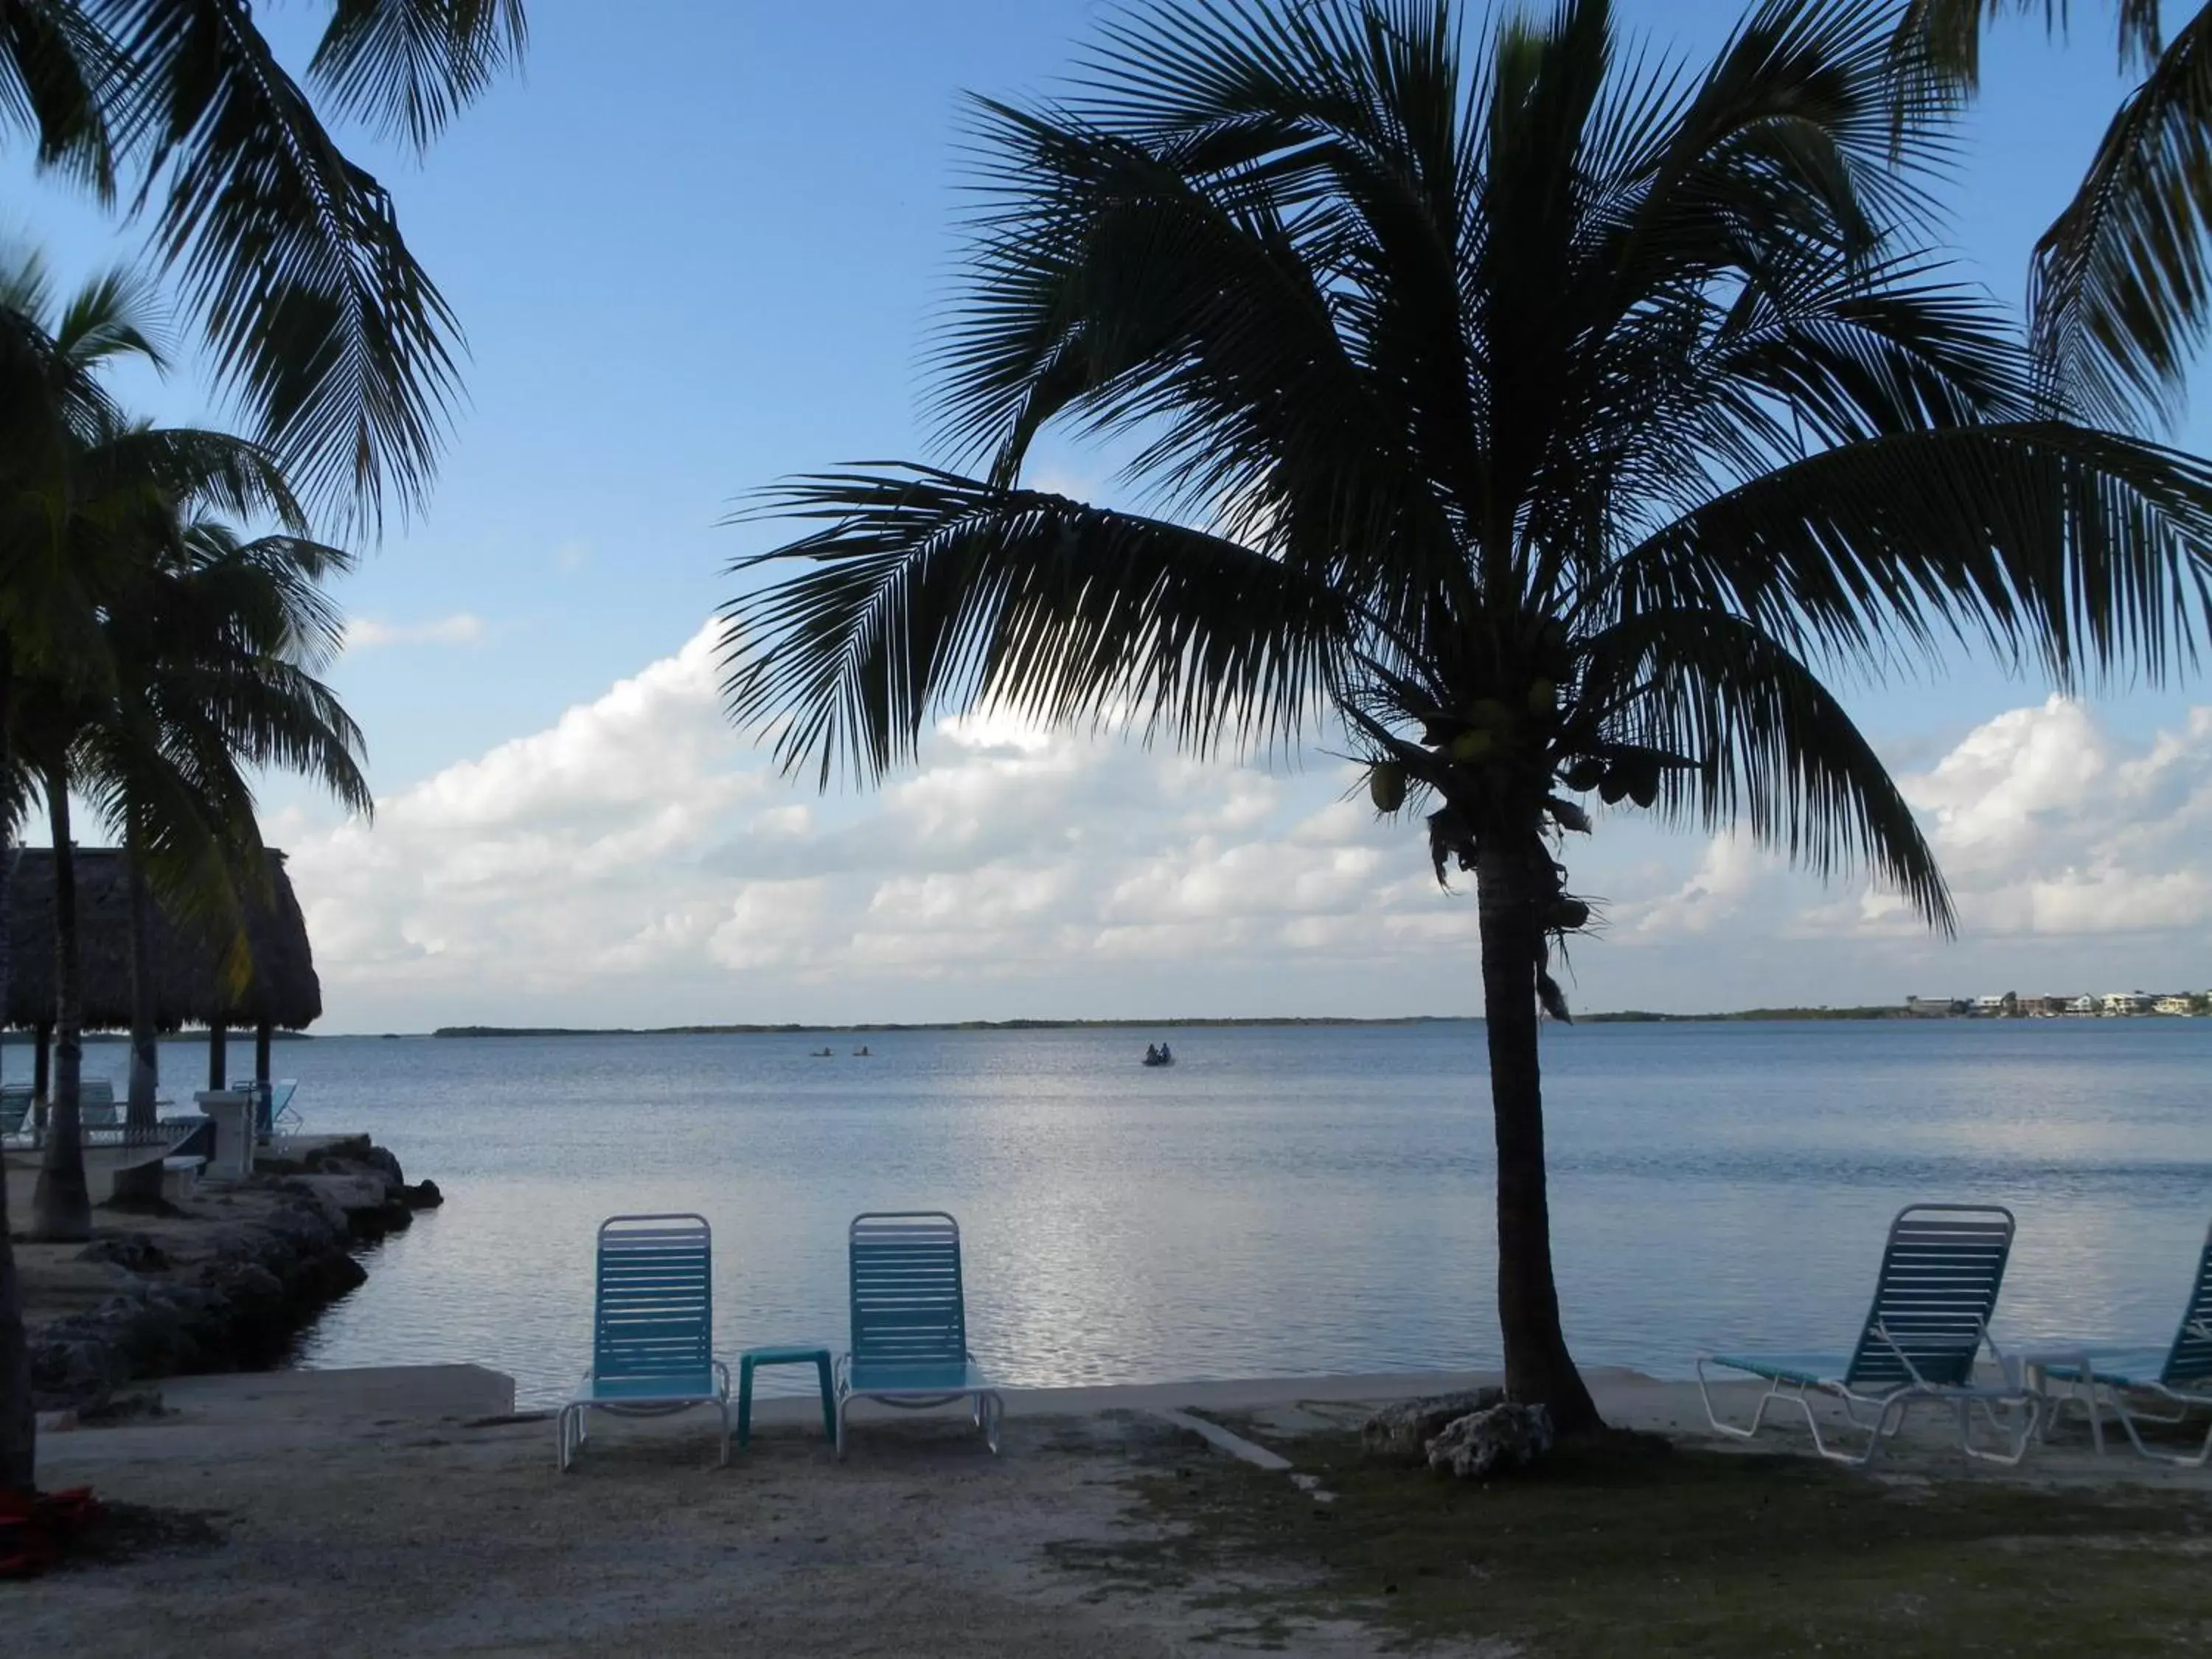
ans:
(82, 509)
(55, 414)
(1548, 427)
(2120, 285)
(336, 340)
(216, 642)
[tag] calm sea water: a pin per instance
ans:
(1280, 1201)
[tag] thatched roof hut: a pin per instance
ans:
(283, 991)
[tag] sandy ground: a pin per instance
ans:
(384, 1514)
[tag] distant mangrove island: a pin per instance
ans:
(1625, 1016)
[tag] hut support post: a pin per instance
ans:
(42, 1068)
(261, 1034)
(218, 1055)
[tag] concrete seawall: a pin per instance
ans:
(222, 1283)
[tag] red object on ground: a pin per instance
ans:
(35, 1527)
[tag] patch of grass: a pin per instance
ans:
(126, 1531)
(1629, 1545)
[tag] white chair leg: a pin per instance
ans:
(1758, 1416)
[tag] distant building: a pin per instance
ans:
(2045, 1007)
(2085, 1005)
(2127, 1002)
(2181, 1002)
(1935, 1007)
(1997, 1007)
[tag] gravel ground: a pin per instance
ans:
(436, 1538)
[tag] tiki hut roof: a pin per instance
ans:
(283, 990)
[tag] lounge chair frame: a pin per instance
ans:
(653, 1329)
(2095, 1379)
(909, 1322)
(1928, 1325)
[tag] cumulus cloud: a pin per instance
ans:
(637, 861)
(2048, 826)
(366, 633)
(640, 860)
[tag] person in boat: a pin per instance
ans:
(1152, 1054)
(1166, 1057)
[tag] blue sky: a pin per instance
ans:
(698, 248)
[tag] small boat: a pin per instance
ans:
(1160, 1056)
(861, 1053)
(821, 1054)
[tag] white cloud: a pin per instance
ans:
(637, 861)
(366, 633)
(2043, 823)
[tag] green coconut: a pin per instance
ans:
(1386, 785)
(1473, 746)
(1644, 783)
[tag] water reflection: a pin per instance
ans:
(1280, 1201)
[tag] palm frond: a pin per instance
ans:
(2085, 554)
(928, 591)
(2120, 291)
(56, 74)
(1937, 43)
(408, 67)
(1775, 751)
(339, 345)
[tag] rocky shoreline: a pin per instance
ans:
(224, 1283)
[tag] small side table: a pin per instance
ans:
(817, 1358)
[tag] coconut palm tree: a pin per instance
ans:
(216, 642)
(2120, 285)
(1554, 424)
(338, 344)
(107, 724)
(82, 511)
(56, 415)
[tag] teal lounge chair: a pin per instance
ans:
(1929, 1324)
(95, 1104)
(652, 1334)
(15, 1109)
(911, 1320)
(2179, 1374)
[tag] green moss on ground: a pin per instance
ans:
(1631, 1546)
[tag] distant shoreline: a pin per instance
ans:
(1627, 1017)
(788, 1029)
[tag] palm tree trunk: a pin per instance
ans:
(19, 1443)
(1539, 1370)
(61, 1207)
(145, 1051)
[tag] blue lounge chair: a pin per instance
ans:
(911, 1320)
(652, 1334)
(15, 1109)
(2179, 1373)
(1929, 1322)
(95, 1104)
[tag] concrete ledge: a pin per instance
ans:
(407, 1392)
(1221, 1440)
